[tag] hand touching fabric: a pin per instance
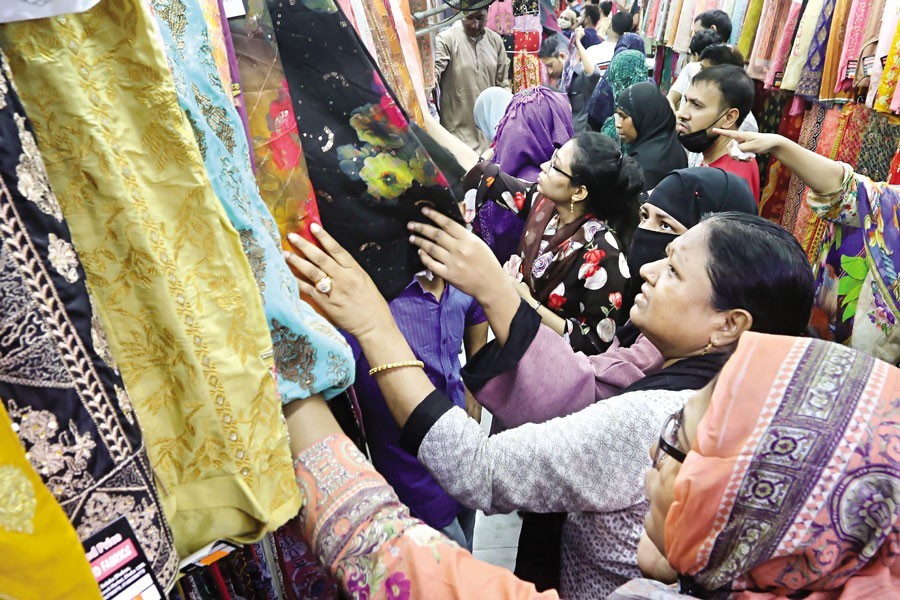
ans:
(353, 303)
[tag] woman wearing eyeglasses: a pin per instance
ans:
(579, 218)
(730, 274)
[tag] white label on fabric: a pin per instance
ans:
(234, 8)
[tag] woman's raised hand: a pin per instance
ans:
(450, 251)
(751, 142)
(337, 284)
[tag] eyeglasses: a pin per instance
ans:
(668, 440)
(555, 168)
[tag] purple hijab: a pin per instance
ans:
(629, 41)
(537, 121)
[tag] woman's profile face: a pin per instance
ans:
(660, 479)
(674, 308)
(555, 180)
(654, 218)
(625, 126)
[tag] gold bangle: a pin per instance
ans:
(396, 365)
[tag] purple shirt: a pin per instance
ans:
(434, 330)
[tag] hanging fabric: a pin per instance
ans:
(58, 381)
(173, 288)
(830, 72)
(281, 171)
(773, 74)
(848, 64)
(802, 41)
(811, 75)
(370, 172)
(310, 356)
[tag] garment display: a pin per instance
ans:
(59, 383)
(174, 290)
(281, 171)
(370, 172)
(310, 356)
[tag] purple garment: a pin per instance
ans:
(630, 41)
(434, 331)
(552, 380)
(537, 121)
(500, 229)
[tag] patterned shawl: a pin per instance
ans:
(799, 451)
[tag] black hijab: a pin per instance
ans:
(686, 195)
(656, 148)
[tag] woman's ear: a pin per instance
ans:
(580, 194)
(736, 322)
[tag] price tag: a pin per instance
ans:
(119, 564)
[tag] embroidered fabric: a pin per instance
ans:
(58, 383)
(301, 338)
(371, 173)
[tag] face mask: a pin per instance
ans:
(647, 247)
(699, 141)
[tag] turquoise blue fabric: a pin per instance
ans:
(310, 356)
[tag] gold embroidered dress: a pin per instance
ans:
(173, 288)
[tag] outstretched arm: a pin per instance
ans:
(823, 175)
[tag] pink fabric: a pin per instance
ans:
(552, 380)
(500, 17)
(853, 39)
(783, 49)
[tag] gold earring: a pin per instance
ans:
(707, 349)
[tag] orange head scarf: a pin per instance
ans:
(793, 480)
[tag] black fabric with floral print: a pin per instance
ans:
(371, 173)
(580, 278)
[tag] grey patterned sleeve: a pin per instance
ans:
(591, 461)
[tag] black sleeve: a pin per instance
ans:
(493, 359)
(422, 419)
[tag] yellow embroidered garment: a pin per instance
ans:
(174, 289)
(42, 557)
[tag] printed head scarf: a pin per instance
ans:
(625, 69)
(537, 121)
(630, 41)
(793, 480)
(490, 108)
(656, 148)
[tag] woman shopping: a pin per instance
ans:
(646, 125)
(588, 462)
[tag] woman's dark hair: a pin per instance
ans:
(703, 39)
(606, 7)
(756, 265)
(613, 181)
(553, 46)
(720, 19)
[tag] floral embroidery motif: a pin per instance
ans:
(257, 259)
(216, 117)
(17, 500)
(32, 175)
(295, 356)
(29, 354)
(63, 258)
